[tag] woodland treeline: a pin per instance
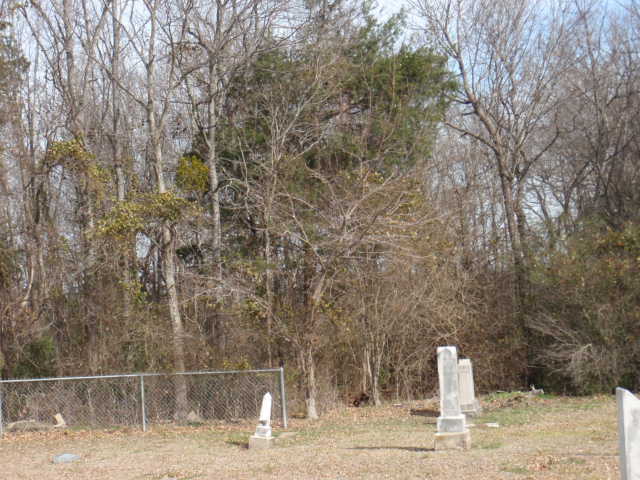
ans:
(208, 184)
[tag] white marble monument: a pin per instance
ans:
(452, 429)
(628, 434)
(469, 404)
(262, 438)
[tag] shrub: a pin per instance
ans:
(587, 315)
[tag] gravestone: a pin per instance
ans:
(193, 417)
(469, 404)
(628, 434)
(60, 423)
(262, 438)
(452, 430)
(66, 458)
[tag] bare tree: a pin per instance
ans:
(152, 32)
(16, 279)
(510, 57)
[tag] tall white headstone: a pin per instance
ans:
(262, 438)
(469, 404)
(628, 434)
(452, 429)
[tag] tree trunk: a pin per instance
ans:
(167, 250)
(128, 254)
(366, 368)
(515, 229)
(169, 270)
(375, 379)
(214, 184)
(269, 286)
(308, 367)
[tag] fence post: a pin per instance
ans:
(142, 404)
(283, 398)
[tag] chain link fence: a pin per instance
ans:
(142, 399)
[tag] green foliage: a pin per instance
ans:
(254, 310)
(394, 78)
(71, 152)
(241, 363)
(135, 290)
(75, 158)
(192, 175)
(144, 212)
(395, 98)
(382, 102)
(125, 219)
(37, 359)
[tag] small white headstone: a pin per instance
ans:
(628, 434)
(265, 409)
(60, 423)
(468, 402)
(193, 417)
(262, 438)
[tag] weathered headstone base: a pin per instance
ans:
(451, 424)
(471, 410)
(453, 441)
(260, 443)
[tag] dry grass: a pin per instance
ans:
(541, 438)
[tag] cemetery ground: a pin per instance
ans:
(537, 438)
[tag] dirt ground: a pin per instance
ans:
(537, 438)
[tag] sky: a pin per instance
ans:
(386, 8)
(389, 7)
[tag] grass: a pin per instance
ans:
(542, 437)
(173, 475)
(516, 470)
(489, 445)
(239, 439)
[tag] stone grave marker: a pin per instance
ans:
(66, 458)
(452, 430)
(262, 438)
(60, 423)
(628, 434)
(469, 404)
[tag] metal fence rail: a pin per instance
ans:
(142, 398)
